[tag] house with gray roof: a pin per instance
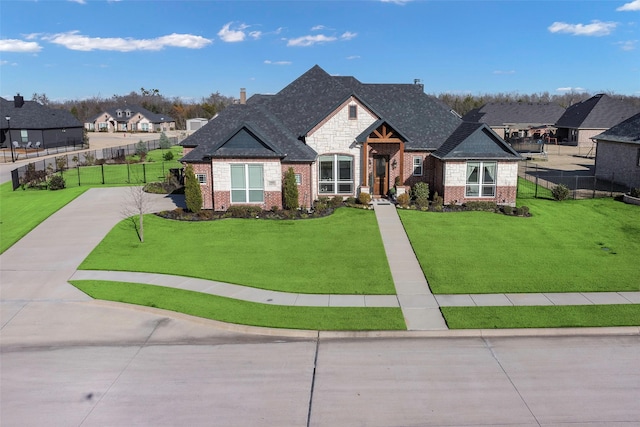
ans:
(618, 153)
(518, 119)
(32, 125)
(342, 138)
(130, 118)
(584, 120)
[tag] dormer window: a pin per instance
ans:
(128, 113)
(119, 113)
(353, 112)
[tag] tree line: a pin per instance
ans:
(208, 107)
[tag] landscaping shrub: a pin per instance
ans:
(57, 182)
(525, 210)
(168, 156)
(61, 163)
(364, 198)
(89, 159)
(321, 204)
(421, 194)
(193, 195)
(438, 200)
(404, 199)
(336, 202)
(351, 200)
(635, 192)
(33, 177)
(290, 190)
(481, 206)
(508, 210)
(244, 211)
(560, 192)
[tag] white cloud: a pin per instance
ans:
(75, 41)
(20, 46)
(627, 45)
(595, 28)
(348, 35)
(630, 7)
(268, 62)
(78, 1)
(318, 28)
(504, 72)
(255, 34)
(353, 57)
(3, 63)
(310, 40)
(229, 35)
(571, 89)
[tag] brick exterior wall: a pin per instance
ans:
(305, 189)
(408, 179)
(205, 169)
(618, 162)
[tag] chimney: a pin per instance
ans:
(418, 83)
(243, 95)
(18, 101)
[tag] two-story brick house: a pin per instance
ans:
(343, 137)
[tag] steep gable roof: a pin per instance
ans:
(628, 131)
(32, 115)
(598, 112)
(502, 113)
(475, 141)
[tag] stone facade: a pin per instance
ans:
(619, 162)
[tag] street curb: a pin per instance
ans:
(451, 333)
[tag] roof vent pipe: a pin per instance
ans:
(243, 95)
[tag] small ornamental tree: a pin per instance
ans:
(290, 190)
(421, 194)
(164, 141)
(192, 193)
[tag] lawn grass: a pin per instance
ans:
(338, 254)
(22, 210)
(542, 316)
(243, 312)
(570, 246)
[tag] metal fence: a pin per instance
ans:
(538, 183)
(98, 167)
(10, 154)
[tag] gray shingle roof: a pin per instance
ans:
(284, 119)
(475, 141)
(598, 112)
(500, 113)
(628, 131)
(33, 115)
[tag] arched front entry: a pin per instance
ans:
(383, 153)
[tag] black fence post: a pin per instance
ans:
(595, 184)
(102, 170)
(78, 167)
(128, 173)
(144, 173)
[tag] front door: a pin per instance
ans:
(381, 173)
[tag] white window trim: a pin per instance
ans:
(202, 178)
(480, 183)
(335, 180)
(298, 179)
(247, 187)
(416, 166)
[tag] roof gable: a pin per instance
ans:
(475, 141)
(628, 131)
(598, 112)
(246, 143)
(32, 115)
(502, 113)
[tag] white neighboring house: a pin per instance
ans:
(195, 124)
(131, 118)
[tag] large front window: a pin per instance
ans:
(336, 174)
(247, 183)
(481, 179)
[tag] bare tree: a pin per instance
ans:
(136, 203)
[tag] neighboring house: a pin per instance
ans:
(343, 137)
(518, 119)
(582, 121)
(195, 124)
(34, 125)
(130, 118)
(618, 153)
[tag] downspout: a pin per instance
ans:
(310, 185)
(213, 200)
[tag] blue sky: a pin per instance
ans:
(189, 49)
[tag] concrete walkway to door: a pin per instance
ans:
(419, 307)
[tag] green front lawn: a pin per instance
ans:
(22, 211)
(243, 312)
(542, 316)
(338, 254)
(569, 246)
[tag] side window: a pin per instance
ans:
(202, 178)
(353, 112)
